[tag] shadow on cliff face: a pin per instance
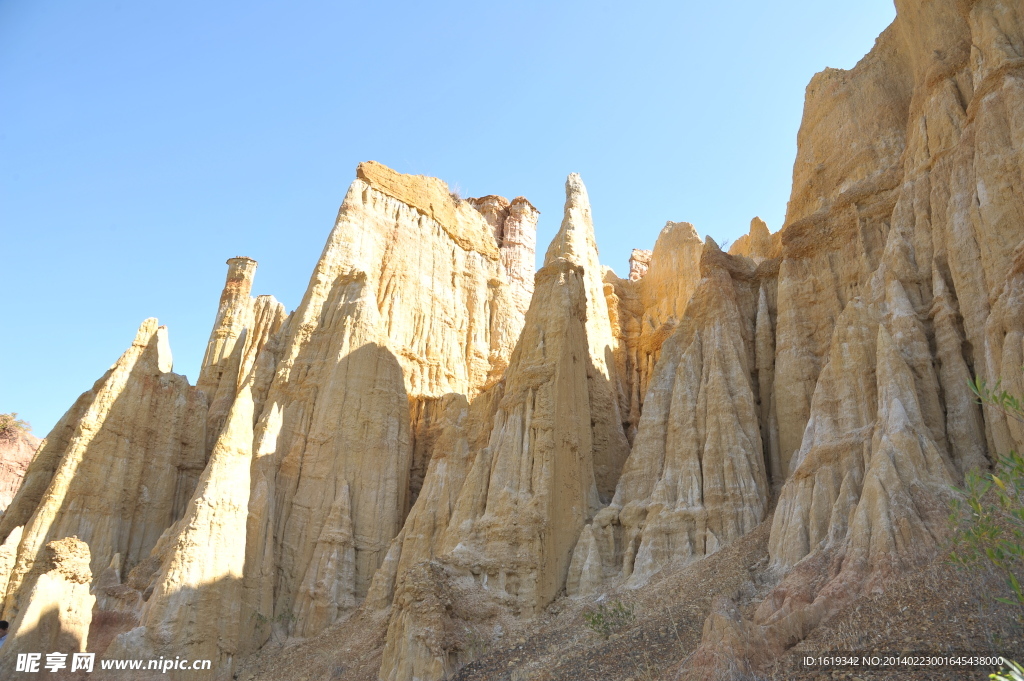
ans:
(186, 630)
(44, 636)
(603, 392)
(119, 483)
(330, 492)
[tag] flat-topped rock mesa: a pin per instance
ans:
(439, 446)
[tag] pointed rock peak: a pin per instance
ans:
(164, 360)
(886, 351)
(895, 381)
(144, 335)
(152, 336)
(896, 298)
(941, 291)
(898, 256)
(713, 257)
(758, 244)
(575, 241)
(939, 283)
(677, 231)
(677, 242)
(762, 302)
(576, 192)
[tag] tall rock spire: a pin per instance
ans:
(528, 492)
(575, 244)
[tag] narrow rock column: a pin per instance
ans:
(519, 250)
(232, 317)
(229, 340)
(639, 261)
(575, 243)
(515, 232)
(495, 211)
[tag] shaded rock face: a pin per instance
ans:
(241, 330)
(410, 302)
(696, 477)
(191, 606)
(441, 441)
(16, 452)
(501, 514)
(118, 469)
(644, 312)
(57, 606)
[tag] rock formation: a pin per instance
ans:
(759, 244)
(240, 331)
(438, 444)
(57, 608)
(696, 476)
(408, 303)
(518, 501)
(8, 554)
(17, 447)
(646, 310)
(575, 243)
(192, 604)
(118, 469)
(898, 282)
(639, 262)
(515, 231)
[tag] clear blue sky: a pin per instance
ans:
(144, 143)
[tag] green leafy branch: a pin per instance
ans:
(1013, 672)
(11, 425)
(988, 516)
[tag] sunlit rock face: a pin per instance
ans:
(519, 495)
(639, 263)
(515, 231)
(899, 281)
(443, 442)
(410, 302)
(696, 477)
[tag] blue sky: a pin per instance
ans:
(144, 143)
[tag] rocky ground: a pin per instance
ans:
(936, 608)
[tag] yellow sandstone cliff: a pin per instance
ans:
(440, 446)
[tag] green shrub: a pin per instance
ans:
(11, 425)
(606, 619)
(988, 518)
